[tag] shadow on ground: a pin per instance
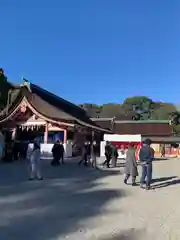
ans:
(163, 179)
(132, 234)
(60, 204)
(166, 183)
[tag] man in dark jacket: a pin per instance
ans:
(114, 155)
(84, 154)
(146, 156)
(108, 154)
(58, 153)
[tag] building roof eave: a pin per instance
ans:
(97, 128)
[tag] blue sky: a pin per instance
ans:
(96, 51)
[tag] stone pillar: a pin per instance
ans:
(65, 136)
(46, 133)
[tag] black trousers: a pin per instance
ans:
(15, 154)
(107, 161)
(84, 159)
(62, 159)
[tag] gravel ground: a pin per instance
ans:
(81, 203)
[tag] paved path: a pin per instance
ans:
(80, 203)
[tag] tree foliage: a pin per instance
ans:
(133, 108)
(163, 111)
(138, 103)
(111, 110)
(174, 120)
(4, 88)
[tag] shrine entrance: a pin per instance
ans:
(25, 126)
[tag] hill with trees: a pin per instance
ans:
(133, 108)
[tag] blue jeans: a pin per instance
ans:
(146, 174)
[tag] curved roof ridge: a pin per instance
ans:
(32, 85)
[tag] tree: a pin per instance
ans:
(140, 106)
(174, 121)
(162, 111)
(111, 110)
(92, 110)
(7, 90)
(4, 88)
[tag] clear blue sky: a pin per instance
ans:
(94, 50)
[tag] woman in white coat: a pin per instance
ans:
(35, 163)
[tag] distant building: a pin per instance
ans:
(149, 128)
(160, 132)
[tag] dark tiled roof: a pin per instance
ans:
(54, 106)
(107, 123)
(49, 105)
(146, 129)
(49, 110)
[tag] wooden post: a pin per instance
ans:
(65, 136)
(14, 132)
(46, 133)
(92, 134)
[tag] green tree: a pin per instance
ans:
(111, 110)
(92, 110)
(162, 111)
(139, 106)
(175, 122)
(4, 88)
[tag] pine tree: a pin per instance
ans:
(4, 88)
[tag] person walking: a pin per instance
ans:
(108, 154)
(114, 155)
(62, 151)
(163, 151)
(94, 152)
(88, 151)
(146, 156)
(131, 165)
(35, 163)
(58, 153)
(84, 154)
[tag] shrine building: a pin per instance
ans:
(34, 112)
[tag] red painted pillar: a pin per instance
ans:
(65, 136)
(46, 133)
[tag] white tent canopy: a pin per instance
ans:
(122, 138)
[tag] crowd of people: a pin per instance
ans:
(35, 159)
(89, 153)
(146, 156)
